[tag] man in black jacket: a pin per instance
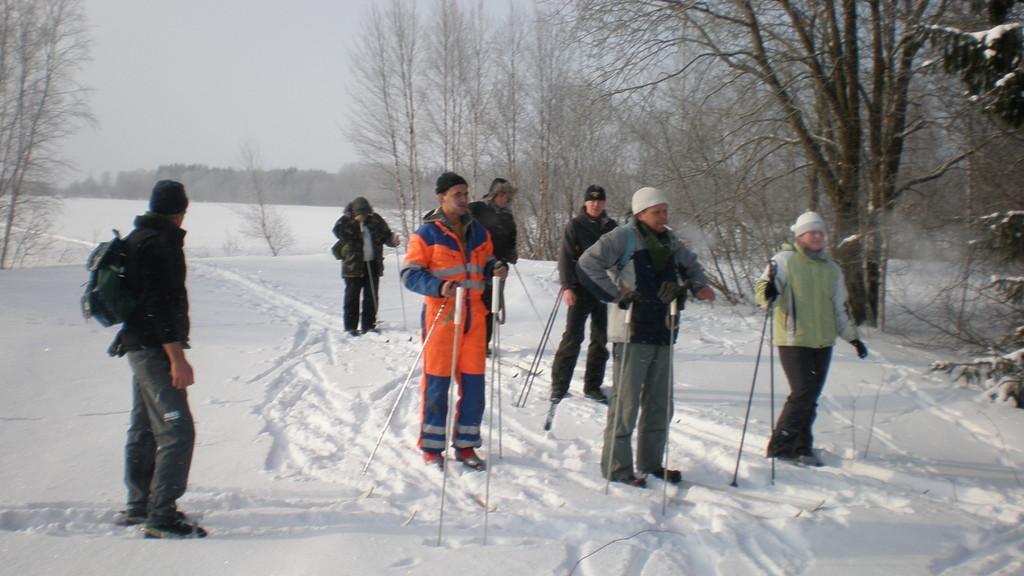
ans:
(161, 436)
(362, 233)
(494, 213)
(581, 232)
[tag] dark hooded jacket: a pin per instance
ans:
(347, 230)
(500, 222)
(580, 233)
(156, 272)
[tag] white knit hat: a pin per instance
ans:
(807, 222)
(646, 197)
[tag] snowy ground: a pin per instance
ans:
(922, 477)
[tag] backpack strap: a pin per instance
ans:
(627, 254)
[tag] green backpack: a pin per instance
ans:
(107, 296)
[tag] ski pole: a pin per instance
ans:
(498, 321)
(401, 293)
(772, 266)
(524, 392)
(495, 379)
(369, 279)
(528, 297)
(616, 411)
(460, 296)
(673, 309)
(405, 384)
(771, 376)
(750, 399)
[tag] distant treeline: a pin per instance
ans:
(210, 184)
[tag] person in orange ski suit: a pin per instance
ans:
(449, 250)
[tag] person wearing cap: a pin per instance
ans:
(494, 213)
(451, 250)
(581, 233)
(362, 234)
(161, 435)
(808, 292)
(641, 266)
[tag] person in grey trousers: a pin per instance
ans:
(641, 265)
(161, 435)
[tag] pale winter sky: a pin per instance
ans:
(190, 81)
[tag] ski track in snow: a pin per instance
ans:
(310, 409)
(322, 424)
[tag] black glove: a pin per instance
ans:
(862, 350)
(670, 291)
(628, 299)
(770, 291)
(500, 265)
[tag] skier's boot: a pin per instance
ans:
(434, 459)
(469, 459)
(674, 476)
(177, 529)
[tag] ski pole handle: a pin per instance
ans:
(495, 295)
(460, 297)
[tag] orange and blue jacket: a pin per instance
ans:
(436, 254)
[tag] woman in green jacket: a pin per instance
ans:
(809, 294)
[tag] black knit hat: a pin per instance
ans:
(594, 192)
(446, 181)
(168, 197)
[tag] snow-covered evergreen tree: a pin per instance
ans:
(1002, 369)
(990, 62)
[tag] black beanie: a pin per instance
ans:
(446, 181)
(594, 192)
(168, 198)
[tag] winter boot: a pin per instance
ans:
(631, 480)
(469, 459)
(808, 459)
(177, 529)
(674, 476)
(134, 517)
(597, 396)
(434, 459)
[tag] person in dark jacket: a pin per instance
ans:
(581, 233)
(362, 233)
(161, 436)
(494, 213)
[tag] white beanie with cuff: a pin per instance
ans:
(647, 197)
(808, 222)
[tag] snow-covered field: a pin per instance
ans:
(922, 477)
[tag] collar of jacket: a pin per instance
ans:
(602, 219)
(161, 223)
(437, 215)
(669, 238)
(796, 247)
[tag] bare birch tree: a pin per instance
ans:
(261, 220)
(43, 43)
(839, 72)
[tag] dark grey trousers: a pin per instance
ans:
(587, 306)
(643, 390)
(158, 453)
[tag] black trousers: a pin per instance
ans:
(362, 288)
(587, 306)
(806, 370)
